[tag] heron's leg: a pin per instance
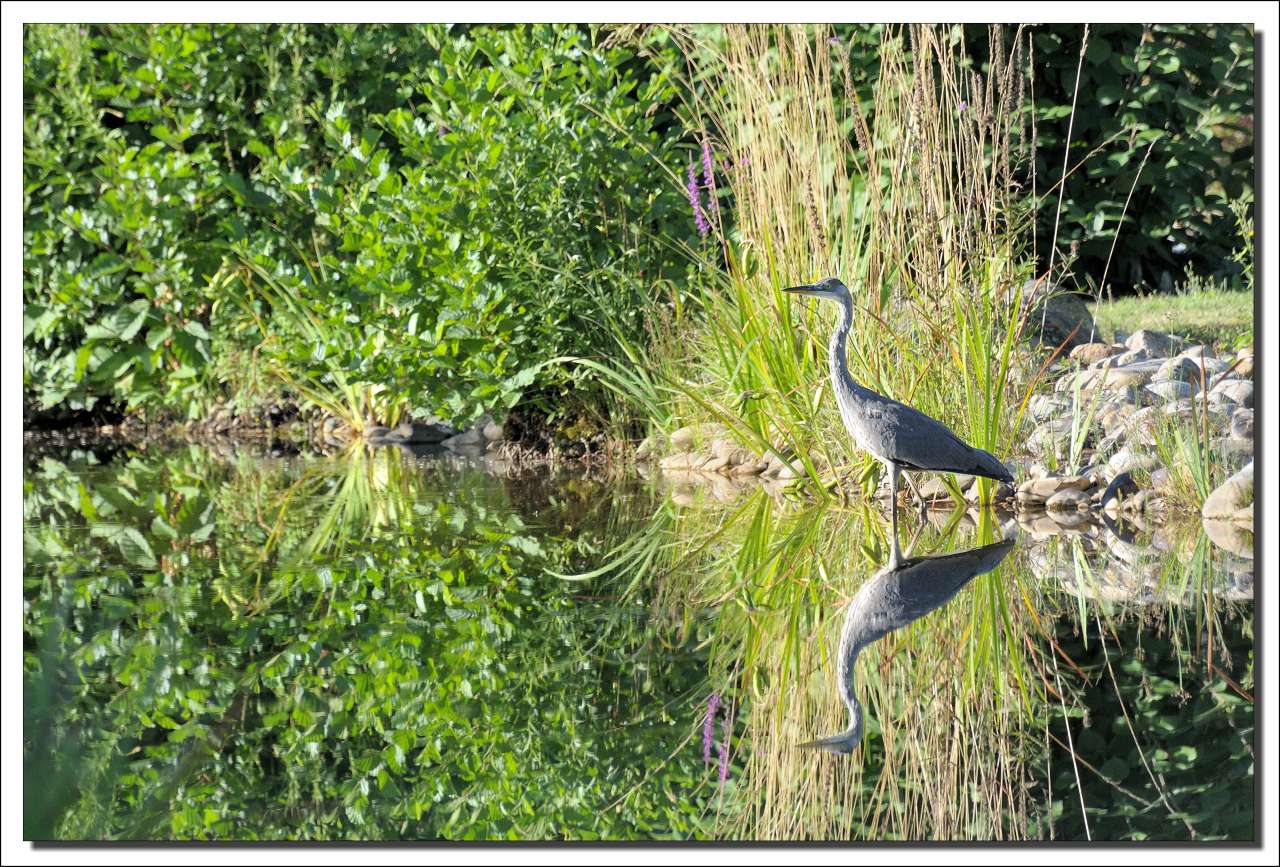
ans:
(893, 513)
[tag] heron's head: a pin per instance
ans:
(830, 288)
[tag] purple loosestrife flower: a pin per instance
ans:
(708, 175)
(699, 218)
(726, 726)
(708, 727)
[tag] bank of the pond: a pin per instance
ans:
(1140, 428)
(284, 427)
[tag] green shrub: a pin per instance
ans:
(1186, 90)
(446, 208)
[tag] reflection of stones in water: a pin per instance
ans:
(1129, 569)
(417, 451)
(715, 487)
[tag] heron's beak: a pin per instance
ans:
(805, 290)
(842, 744)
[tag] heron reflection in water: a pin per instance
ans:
(901, 592)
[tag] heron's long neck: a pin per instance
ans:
(853, 637)
(836, 349)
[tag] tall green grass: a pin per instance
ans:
(910, 200)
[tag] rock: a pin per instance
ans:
(1068, 499)
(467, 440)
(423, 433)
(1091, 353)
(1044, 406)
(1171, 389)
(1043, 489)
(1244, 363)
(1229, 498)
(1064, 315)
(690, 436)
(1242, 424)
(376, 432)
(1230, 535)
(1122, 485)
(493, 432)
(1180, 369)
(681, 461)
(1234, 391)
(1128, 460)
(933, 488)
(1154, 343)
(646, 449)
(1162, 481)
(1132, 356)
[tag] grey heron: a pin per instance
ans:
(896, 595)
(899, 436)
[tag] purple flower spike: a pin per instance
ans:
(708, 727)
(699, 218)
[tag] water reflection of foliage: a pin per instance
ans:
(965, 708)
(1158, 674)
(432, 681)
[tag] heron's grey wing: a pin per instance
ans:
(915, 440)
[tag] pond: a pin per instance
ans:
(388, 646)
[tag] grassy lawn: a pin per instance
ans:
(1203, 315)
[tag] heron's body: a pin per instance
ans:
(899, 436)
(895, 596)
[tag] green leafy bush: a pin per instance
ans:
(446, 208)
(1185, 91)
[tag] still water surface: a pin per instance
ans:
(378, 646)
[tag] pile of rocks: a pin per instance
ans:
(708, 448)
